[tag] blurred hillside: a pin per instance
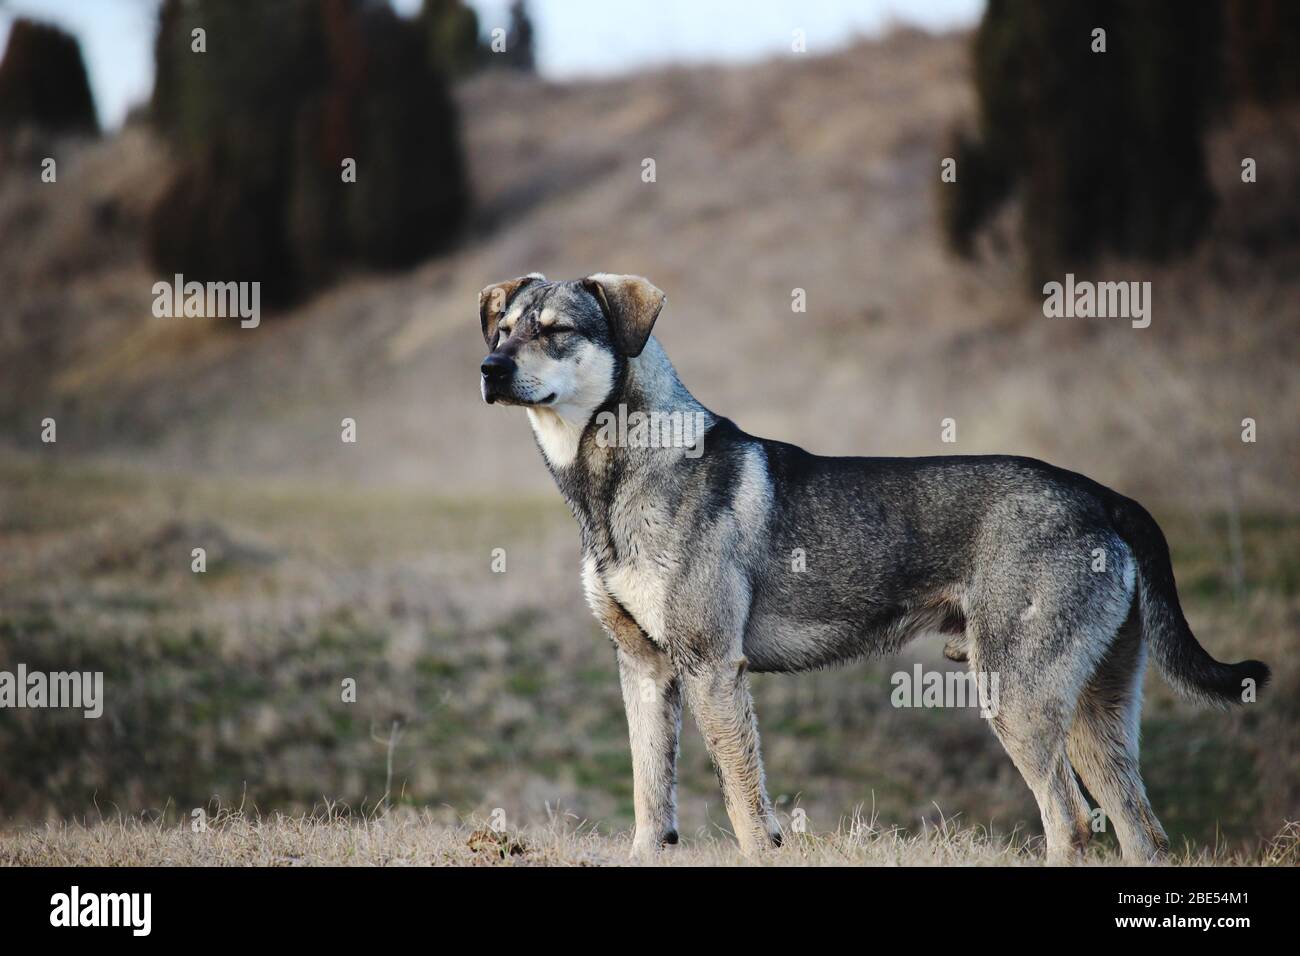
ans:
(819, 174)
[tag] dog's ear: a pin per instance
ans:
(494, 299)
(631, 304)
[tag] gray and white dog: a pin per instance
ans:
(1041, 576)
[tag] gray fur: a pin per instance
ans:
(688, 565)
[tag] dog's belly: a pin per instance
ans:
(777, 641)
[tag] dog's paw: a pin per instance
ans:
(646, 845)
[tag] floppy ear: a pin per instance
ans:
(631, 304)
(493, 300)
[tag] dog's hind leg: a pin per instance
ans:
(1042, 619)
(1033, 731)
(723, 709)
(1103, 745)
(1031, 716)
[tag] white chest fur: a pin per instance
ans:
(556, 436)
(642, 592)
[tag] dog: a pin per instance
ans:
(1044, 577)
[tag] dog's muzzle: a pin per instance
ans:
(498, 374)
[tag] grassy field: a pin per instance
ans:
(478, 691)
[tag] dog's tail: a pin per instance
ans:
(1183, 661)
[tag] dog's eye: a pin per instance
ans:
(556, 329)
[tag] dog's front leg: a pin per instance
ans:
(720, 700)
(652, 695)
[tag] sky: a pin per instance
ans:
(575, 38)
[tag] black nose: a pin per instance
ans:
(497, 366)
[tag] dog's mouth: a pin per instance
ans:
(493, 398)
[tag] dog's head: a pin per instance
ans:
(561, 345)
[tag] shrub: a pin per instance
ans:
(1105, 147)
(262, 122)
(520, 54)
(43, 81)
(1263, 39)
(451, 30)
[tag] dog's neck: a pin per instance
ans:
(645, 383)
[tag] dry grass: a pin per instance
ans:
(336, 837)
